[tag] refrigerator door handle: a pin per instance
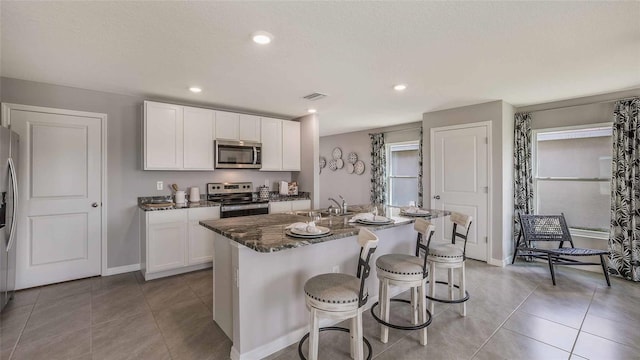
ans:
(14, 184)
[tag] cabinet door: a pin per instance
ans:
(250, 128)
(227, 125)
(200, 238)
(271, 134)
(291, 146)
(163, 132)
(198, 140)
(166, 245)
(278, 207)
(300, 205)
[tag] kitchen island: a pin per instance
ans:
(259, 273)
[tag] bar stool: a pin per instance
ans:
(340, 296)
(449, 256)
(406, 271)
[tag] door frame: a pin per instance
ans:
(6, 122)
(488, 125)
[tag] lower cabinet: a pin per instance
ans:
(276, 207)
(173, 242)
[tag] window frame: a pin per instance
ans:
(601, 235)
(388, 151)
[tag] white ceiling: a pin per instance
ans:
(449, 53)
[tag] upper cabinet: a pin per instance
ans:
(227, 125)
(177, 137)
(280, 145)
(163, 136)
(249, 128)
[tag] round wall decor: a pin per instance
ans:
(323, 162)
(339, 163)
(352, 157)
(333, 165)
(337, 153)
(350, 169)
(359, 167)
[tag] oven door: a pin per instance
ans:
(228, 211)
(238, 155)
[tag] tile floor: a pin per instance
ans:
(514, 313)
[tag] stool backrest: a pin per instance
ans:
(464, 221)
(368, 243)
(425, 231)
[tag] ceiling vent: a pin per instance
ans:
(315, 96)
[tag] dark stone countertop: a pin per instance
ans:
(266, 233)
(143, 203)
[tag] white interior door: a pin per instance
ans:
(59, 174)
(459, 182)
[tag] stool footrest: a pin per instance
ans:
(401, 327)
(331, 328)
(449, 301)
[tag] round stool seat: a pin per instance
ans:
(400, 264)
(445, 253)
(334, 288)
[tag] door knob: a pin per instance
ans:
(94, 205)
(437, 197)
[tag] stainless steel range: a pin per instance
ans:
(236, 199)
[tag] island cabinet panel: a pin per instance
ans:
(249, 129)
(271, 140)
(300, 205)
(172, 242)
(163, 136)
(199, 126)
(290, 146)
(227, 125)
(279, 207)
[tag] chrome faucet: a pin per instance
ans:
(343, 207)
(337, 203)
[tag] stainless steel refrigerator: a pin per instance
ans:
(8, 206)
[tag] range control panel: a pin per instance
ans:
(229, 188)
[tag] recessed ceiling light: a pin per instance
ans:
(400, 87)
(262, 37)
(195, 89)
(312, 111)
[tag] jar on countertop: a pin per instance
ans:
(264, 192)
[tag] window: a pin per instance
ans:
(572, 174)
(402, 172)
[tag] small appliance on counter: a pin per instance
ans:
(236, 199)
(194, 194)
(180, 198)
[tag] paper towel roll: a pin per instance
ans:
(284, 188)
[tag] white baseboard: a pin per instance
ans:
(501, 263)
(295, 336)
(121, 269)
(151, 276)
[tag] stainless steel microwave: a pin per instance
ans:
(232, 154)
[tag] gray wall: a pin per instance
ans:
(501, 116)
(355, 188)
(307, 177)
(126, 181)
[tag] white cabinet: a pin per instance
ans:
(249, 128)
(163, 136)
(227, 125)
(173, 242)
(201, 238)
(271, 144)
(278, 207)
(280, 145)
(291, 145)
(198, 138)
(177, 137)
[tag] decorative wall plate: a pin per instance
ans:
(339, 163)
(337, 153)
(359, 167)
(352, 157)
(350, 168)
(323, 162)
(333, 165)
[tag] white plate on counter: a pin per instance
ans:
(378, 220)
(415, 213)
(304, 234)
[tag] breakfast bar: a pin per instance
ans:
(260, 271)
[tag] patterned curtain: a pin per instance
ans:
(523, 180)
(420, 190)
(624, 234)
(378, 170)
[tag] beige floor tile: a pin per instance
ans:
(622, 331)
(547, 306)
(54, 317)
(506, 344)
(595, 347)
(201, 282)
(24, 297)
(107, 283)
(542, 330)
(12, 322)
(64, 346)
(116, 303)
(163, 293)
(135, 337)
(63, 290)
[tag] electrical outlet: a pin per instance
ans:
(159, 185)
(336, 269)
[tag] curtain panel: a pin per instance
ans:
(420, 203)
(378, 170)
(523, 178)
(624, 233)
